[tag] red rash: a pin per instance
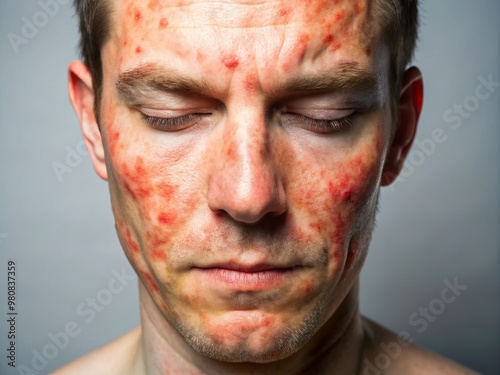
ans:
(138, 49)
(285, 12)
(137, 16)
(163, 23)
(336, 46)
(231, 62)
(250, 83)
(165, 218)
(329, 38)
(298, 52)
(137, 185)
(151, 284)
(131, 244)
(339, 15)
(340, 189)
(156, 241)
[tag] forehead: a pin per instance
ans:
(270, 38)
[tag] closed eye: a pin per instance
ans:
(322, 126)
(173, 124)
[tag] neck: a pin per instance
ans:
(336, 347)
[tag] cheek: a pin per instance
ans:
(331, 202)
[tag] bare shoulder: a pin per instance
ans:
(387, 353)
(116, 357)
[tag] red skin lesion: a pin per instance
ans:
(137, 16)
(230, 61)
(336, 46)
(250, 83)
(284, 12)
(150, 282)
(138, 49)
(340, 15)
(297, 53)
(166, 218)
(136, 181)
(157, 240)
(328, 39)
(163, 23)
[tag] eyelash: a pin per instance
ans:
(315, 125)
(322, 126)
(170, 123)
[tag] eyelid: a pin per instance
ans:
(169, 113)
(332, 101)
(320, 114)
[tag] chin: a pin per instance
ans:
(256, 345)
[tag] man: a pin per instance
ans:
(245, 144)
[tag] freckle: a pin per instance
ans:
(137, 16)
(163, 23)
(138, 49)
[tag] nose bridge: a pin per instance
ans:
(245, 183)
(248, 142)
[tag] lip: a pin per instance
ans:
(245, 277)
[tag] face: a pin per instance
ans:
(244, 147)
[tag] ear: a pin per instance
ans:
(410, 107)
(81, 95)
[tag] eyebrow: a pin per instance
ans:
(346, 77)
(147, 80)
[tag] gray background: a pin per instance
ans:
(437, 223)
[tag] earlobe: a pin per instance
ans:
(409, 108)
(81, 95)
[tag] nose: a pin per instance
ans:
(245, 182)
